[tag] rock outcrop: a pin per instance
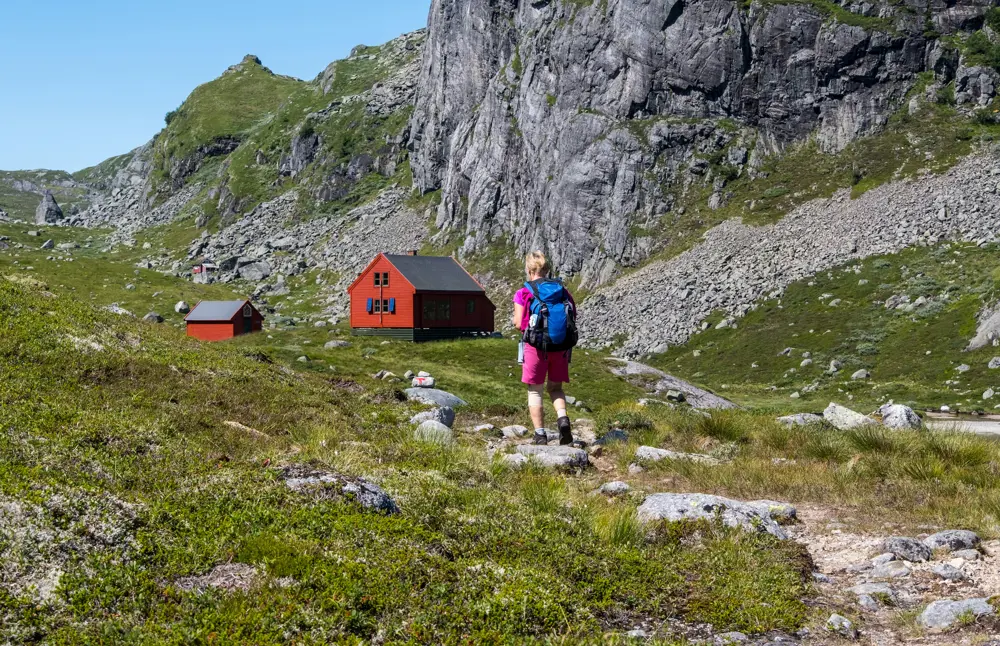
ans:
(48, 211)
(571, 126)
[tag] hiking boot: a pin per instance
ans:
(540, 438)
(565, 431)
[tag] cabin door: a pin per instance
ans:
(247, 319)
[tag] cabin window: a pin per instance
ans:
(378, 306)
(247, 311)
(385, 279)
(385, 305)
(470, 306)
(378, 279)
(437, 310)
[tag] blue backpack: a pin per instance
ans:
(552, 322)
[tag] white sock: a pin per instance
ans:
(539, 431)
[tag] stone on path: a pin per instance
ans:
(846, 419)
(944, 613)
(514, 431)
(434, 397)
(693, 506)
(800, 419)
(615, 488)
(948, 572)
(423, 382)
(909, 549)
(877, 591)
(967, 555)
(433, 432)
(653, 454)
(781, 512)
(842, 626)
(443, 414)
(891, 570)
(952, 539)
(694, 396)
(897, 416)
(555, 456)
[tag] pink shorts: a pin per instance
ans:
(535, 368)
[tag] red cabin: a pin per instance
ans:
(419, 298)
(220, 320)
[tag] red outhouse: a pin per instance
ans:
(220, 320)
(418, 298)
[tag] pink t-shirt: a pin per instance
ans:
(523, 297)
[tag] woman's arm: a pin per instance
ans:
(518, 315)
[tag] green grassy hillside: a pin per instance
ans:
(22, 204)
(913, 354)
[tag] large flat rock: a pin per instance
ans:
(696, 397)
(555, 456)
(693, 506)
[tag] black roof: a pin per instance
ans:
(435, 273)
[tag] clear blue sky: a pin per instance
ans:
(81, 81)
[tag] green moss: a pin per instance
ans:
(834, 11)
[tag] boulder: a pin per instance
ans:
(897, 416)
(800, 419)
(153, 317)
(945, 613)
(952, 540)
(693, 506)
(845, 419)
(861, 374)
(434, 397)
(325, 485)
(48, 211)
(330, 345)
(612, 436)
(878, 591)
(433, 432)
(515, 460)
(891, 570)
(443, 414)
(555, 456)
(653, 454)
(182, 307)
(909, 549)
(48, 244)
(254, 271)
(994, 363)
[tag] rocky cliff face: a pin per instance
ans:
(571, 125)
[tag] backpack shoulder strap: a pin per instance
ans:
(533, 286)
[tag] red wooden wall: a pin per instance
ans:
(398, 288)
(481, 317)
(222, 330)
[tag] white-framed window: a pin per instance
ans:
(378, 306)
(385, 279)
(378, 279)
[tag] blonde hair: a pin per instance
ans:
(536, 263)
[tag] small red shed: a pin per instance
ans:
(220, 320)
(418, 298)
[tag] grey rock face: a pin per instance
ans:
(899, 417)
(522, 109)
(555, 456)
(906, 548)
(326, 485)
(945, 613)
(845, 419)
(434, 397)
(255, 271)
(48, 212)
(952, 540)
(733, 513)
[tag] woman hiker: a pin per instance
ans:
(545, 364)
